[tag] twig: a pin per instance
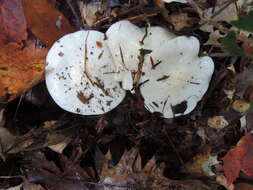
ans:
(141, 16)
(222, 8)
(10, 177)
(74, 12)
(219, 55)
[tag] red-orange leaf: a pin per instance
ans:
(20, 69)
(247, 48)
(47, 23)
(239, 159)
(12, 21)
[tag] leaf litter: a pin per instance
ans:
(43, 147)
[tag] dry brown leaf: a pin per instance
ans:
(201, 165)
(129, 173)
(214, 38)
(221, 179)
(180, 21)
(47, 23)
(228, 14)
(20, 69)
(68, 175)
(6, 141)
(243, 186)
(219, 13)
(32, 186)
(18, 187)
(90, 11)
(245, 5)
(58, 147)
(217, 122)
(12, 22)
(241, 106)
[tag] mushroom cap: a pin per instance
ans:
(156, 37)
(80, 74)
(179, 1)
(179, 77)
(125, 41)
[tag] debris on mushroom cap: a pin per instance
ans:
(174, 77)
(127, 43)
(124, 41)
(179, 1)
(84, 70)
(80, 74)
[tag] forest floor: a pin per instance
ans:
(44, 147)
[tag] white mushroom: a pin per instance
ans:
(179, 1)
(84, 70)
(80, 74)
(173, 75)
(124, 41)
(127, 43)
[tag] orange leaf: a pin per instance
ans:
(12, 21)
(47, 23)
(20, 69)
(239, 159)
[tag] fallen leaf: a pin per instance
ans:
(230, 45)
(221, 179)
(90, 11)
(219, 14)
(217, 122)
(202, 165)
(243, 186)
(241, 106)
(180, 21)
(245, 5)
(47, 23)
(58, 147)
(228, 14)
(6, 141)
(239, 159)
(18, 187)
(245, 22)
(32, 186)
(20, 69)
(247, 47)
(128, 172)
(214, 38)
(72, 176)
(12, 22)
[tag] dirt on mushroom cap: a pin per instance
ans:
(80, 74)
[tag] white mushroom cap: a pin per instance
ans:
(179, 1)
(178, 77)
(156, 37)
(80, 74)
(125, 41)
